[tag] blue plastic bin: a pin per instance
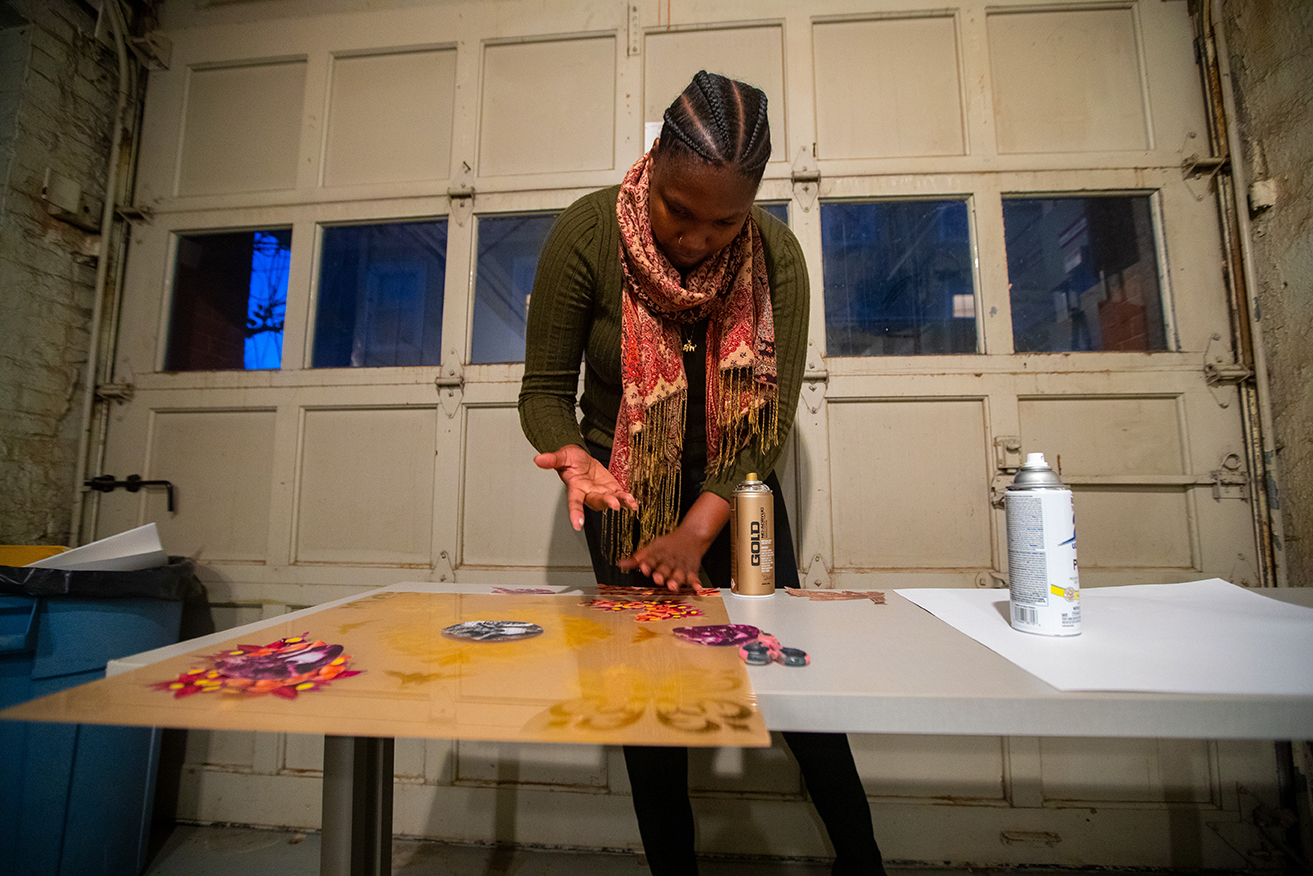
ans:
(75, 799)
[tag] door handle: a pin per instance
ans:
(132, 483)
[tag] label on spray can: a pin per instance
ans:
(1043, 581)
(752, 539)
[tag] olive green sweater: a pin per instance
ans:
(575, 310)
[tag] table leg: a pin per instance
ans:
(357, 808)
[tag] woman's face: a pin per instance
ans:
(696, 209)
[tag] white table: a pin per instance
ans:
(890, 668)
(896, 668)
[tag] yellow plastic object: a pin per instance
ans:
(22, 554)
(593, 676)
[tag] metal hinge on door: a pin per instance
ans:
(442, 569)
(1219, 372)
(1007, 459)
(813, 388)
(118, 392)
(450, 383)
(461, 194)
(815, 378)
(806, 177)
(817, 576)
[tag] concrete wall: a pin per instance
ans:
(1269, 42)
(58, 86)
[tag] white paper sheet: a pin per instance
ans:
(126, 552)
(1197, 637)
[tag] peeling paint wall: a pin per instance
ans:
(1269, 42)
(57, 92)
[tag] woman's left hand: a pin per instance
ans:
(674, 559)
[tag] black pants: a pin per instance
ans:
(659, 775)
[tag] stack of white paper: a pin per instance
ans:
(126, 552)
(1205, 637)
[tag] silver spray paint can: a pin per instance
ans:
(1043, 584)
(752, 539)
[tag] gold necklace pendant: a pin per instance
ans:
(689, 346)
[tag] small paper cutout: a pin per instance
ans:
(492, 631)
(718, 634)
(650, 610)
(837, 595)
(285, 668)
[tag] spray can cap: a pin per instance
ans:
(1035, 474)
(752, 476)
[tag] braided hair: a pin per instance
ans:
(720, 121)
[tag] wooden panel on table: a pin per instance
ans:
(593, 676)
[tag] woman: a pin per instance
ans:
(689, 306)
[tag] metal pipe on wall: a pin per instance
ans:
(102, 272)
(1240, 207)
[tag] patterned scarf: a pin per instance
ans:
(731, 290)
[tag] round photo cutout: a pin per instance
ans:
(492, 631)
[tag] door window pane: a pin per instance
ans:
(898, 278)
(229, 300)
(508, 258)
(380, 295)
(1083, 274)
(778, 209)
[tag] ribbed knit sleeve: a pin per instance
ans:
(563, 307)
(790, 292)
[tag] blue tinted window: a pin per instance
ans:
(1083, 274)
(380, 295)
(898, 278)
(508, 258)
(229, 301)
(778, 209)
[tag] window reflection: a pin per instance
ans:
(508, 258)
(229, 301)
(380, 295)
(1083, 274)
(898, 278)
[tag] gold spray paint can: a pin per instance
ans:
(752, 539)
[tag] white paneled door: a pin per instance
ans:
(323, 326)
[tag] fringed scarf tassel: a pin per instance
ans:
(655, 451)
(743, 416)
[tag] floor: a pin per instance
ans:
(242, 851)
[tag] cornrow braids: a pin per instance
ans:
(721, 121)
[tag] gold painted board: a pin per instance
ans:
(592, 676)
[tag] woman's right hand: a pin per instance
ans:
(587, 482)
